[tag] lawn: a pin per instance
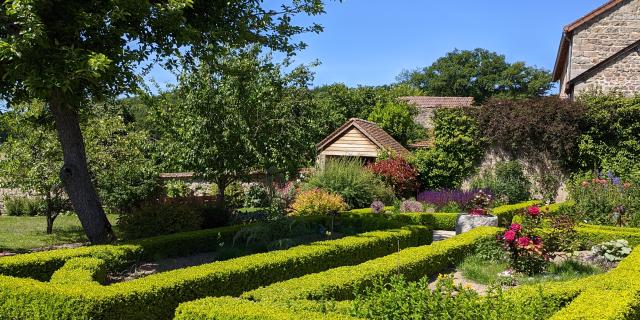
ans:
(25, 233)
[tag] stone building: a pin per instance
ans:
(601, 51)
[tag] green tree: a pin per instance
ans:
(480, 74)
(31, 158)
(458, 147)
(67, 53)
(243, 115)
(398, 119)
(340, 103)
(118, 157)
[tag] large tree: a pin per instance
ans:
(243, 115)
(69, 52)
(478, 73)
(118, 154)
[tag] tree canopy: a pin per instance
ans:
(70, 53)
(398, 119)
(244, 115)
(478, 73)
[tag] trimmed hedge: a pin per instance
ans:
(615, 296)
(340, 283)
(505, 213)
(81, 270)
(227, 308)
(41, 265)
(156, 296)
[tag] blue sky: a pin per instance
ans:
(369, 42)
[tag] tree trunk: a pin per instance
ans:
(220, 199)
(75, 174)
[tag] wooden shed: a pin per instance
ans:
(358, 138)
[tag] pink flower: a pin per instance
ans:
(523, 241)
(516, 227)
(534, 211)
(478, 212)
(509, 236)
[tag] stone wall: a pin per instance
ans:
(604, 36)
(601, 38)
(620, 75)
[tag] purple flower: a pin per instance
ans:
(411, 206)
(377, 206)
(440, 198)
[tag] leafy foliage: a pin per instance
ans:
(398, 173)
(458, 146)
(507, 181)
(317, 202)
(612, 140)
(478, 73)
(349, 179)
(540, 129)
(614, 250)
(243, 115)
(153, 219)
(398, 119)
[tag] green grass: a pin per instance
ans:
(482, 271)
(24, 233)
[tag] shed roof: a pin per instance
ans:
(434, 102)
(371, 130)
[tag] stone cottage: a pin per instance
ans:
(601, 51)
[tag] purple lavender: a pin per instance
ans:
(440, 198)
(377, 207)
(411, 206)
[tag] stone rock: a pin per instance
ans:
(467, 222)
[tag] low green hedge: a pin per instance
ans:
(615, 296)
(81, 270)
(505, 213)
(340, 283)
(41, 265)
(156, 296)
(592, 235)
(227, 308)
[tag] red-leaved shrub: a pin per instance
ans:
(397, 173)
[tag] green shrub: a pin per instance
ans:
(605, 200)
(256, 197)
(507, 182)
(156, 296)
(41, 265)
(81, 270)
(317, 202)
(152, 219)
(458, 147)
(228, 308)
(506, 213)
(24, 206)
(341, 283)
(348, 178)
(177, 189)
(399, 299)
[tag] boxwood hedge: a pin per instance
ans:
(156, 296)
(340, 283)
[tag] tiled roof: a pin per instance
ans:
(563, 50)
(433, 102)
(371, 130)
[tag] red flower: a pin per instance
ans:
(478, 212)
(523, 241)
(533, 211)
(509, 236)
(516, 227)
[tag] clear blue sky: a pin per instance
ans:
(369, 42)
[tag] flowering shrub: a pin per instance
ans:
(317, 202)
(377, 207)
(442, 198)
(480, 204)
(524, 246)
(411, 206)
(399, 174)
(606, 200)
